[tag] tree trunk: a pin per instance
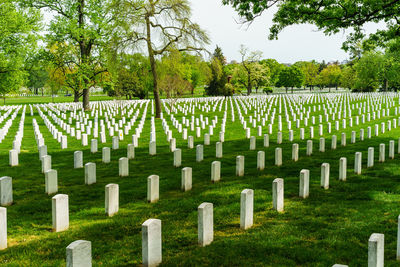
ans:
(292, 90)
(248, 84)
(76, 96)
(153, 69)
(85, 99)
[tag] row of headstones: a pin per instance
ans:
(63, 140)
(8, 124)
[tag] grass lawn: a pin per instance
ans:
(331, 226)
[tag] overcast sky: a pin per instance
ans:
(295, 43)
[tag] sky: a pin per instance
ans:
(295, 43)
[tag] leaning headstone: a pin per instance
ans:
(6, 191)
(205, 224)
(376, 250)
(357, 163)
(60, 212)
(260, 160)
(153, 182)
(111, 199)
(106, 154)
(186, 180)
(90, 173)
(277, 194)
(78, 159)
(325, 175)
(342, 169)
(239, 165)
(151, 243)
(51, 182)
(215, 171)
(177, 157)
(304, 187)
(3, 228)
(79, 254)
(246, 208)
(123, 166)
(278, 156)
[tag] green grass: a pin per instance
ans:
(331, 226)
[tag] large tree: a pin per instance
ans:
(250, 72)
(84, 24)
(17, 39)
(329, 16)
(161, 25)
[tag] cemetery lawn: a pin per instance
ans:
(331, 226)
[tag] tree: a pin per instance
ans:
(290, 77)
(218, 77)
(329, 16)
(162, 25)
(310, 70)
(218, 54)
(249, 72)
(17, 38)
(35, 66)
(348, 77)
(274, 67)
(369, 72)
(392, 66)
(130, 76)
(84, 24)
(330, 76)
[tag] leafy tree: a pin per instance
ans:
(290, 77)
(329, 16)
(218, 77)
(348, 77)
(218, 54)
(369, 73)
(250, 72)
(392, 66)
(17, 38)
(330, 76)
(35, 66)
(162, 25)
(130, 76)
(274, 67)
(84, 24)
(310, 70)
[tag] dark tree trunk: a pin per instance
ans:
(153, 69)
(85, 99)
(76, 96)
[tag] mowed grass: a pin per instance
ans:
(331, 226)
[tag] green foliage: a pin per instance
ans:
(17, 39)
(310, 70)
(369, 72)
(328, 16)
(274, 68)
(348, 77)
(218, 78)
(330, 76)
(291, 77)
